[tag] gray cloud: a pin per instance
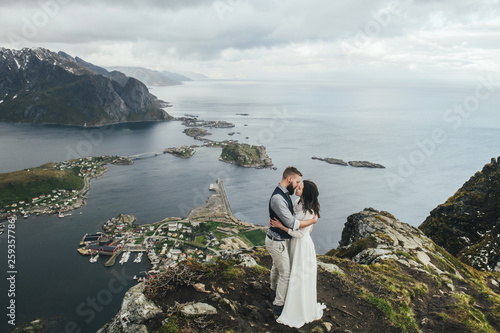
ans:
(237, 34)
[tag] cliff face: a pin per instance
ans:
(40, 86)
(466, 225)
(385, 277)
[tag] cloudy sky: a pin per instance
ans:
(319, 39)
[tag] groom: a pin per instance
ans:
(281, 208)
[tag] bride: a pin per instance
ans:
(301, 306)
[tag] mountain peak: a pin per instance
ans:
(42, 86)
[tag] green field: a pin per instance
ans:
(257, 236)
(214, 225)
(24, 185)
(201, 240)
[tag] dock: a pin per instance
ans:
(224, 197)
(112, 260)
(217, 204)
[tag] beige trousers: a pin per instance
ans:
(280, 272)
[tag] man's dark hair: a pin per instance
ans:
(290, 171)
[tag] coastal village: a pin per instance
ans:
(208, 232)
(60, 201)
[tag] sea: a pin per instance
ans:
(431, 138)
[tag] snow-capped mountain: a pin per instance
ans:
(41, 86)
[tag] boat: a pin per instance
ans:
(84, 251)
(25, 216)
(125, 258)
(138, 258)
(61, 215)
(94, 259)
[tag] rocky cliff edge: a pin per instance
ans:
(385, 276)
(467, 225)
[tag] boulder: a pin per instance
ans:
(135, 310)
(198, 309)
(332, 268)
(247, 260)
(371, 236)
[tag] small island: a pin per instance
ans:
(246, 155)
(365, 164)
(195, 122)
(356, 164)
(196, 133)
(233, 152)
(331, 160)
(182, 152)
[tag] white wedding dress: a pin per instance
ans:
(301, 306)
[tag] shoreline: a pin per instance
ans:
(79, 198)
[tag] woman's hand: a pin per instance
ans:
(277, 224)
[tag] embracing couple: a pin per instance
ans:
(294, 270)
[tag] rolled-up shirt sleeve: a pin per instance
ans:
(280, 207)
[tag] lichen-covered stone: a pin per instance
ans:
(136, 309)
(371, 236)
(198, 309)
(332, 268)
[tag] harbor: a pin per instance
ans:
(206, 233)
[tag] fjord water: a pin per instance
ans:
(428, 149)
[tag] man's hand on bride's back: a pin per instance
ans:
(277, 224)
(315, 218)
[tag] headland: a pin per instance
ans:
(53, 187)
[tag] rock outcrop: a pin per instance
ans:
(135, 311)
(466, 225)
(197, 133)
(365, 164)
(246, 155)
(331, 160)
(372, 236)
(41, 86)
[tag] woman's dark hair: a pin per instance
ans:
(309, 197)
